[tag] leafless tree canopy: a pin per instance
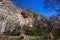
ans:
(53, 4)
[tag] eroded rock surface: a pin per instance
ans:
(12, 17)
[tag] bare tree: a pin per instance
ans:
(52, 4)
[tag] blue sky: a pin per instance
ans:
(38, 7)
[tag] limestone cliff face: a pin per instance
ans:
(9, 16)
(12, 17)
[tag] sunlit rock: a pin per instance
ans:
(11, 17)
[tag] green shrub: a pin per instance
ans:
(29, 30)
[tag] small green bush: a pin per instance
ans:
(29, 30)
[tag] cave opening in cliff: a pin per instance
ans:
(24, 14)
